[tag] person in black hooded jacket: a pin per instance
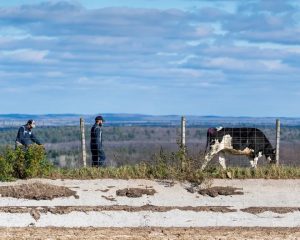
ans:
(98, 154)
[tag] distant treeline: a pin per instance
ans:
(7, 120)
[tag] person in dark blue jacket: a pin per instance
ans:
(25, 136)
(98, 154)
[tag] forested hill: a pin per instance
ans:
(140, 119)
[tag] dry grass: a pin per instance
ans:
(144, 171)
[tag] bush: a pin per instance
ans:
(21, 163)
(6, 169)
(36, 164)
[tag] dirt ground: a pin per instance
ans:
(281, 210)
(216, 191)
(135, 192)
(36, 191)
(69, 209)
(41, 191)
(221, 233)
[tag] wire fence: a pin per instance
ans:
(133, 144)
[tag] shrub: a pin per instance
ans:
(36, 164)
(6, 169)
(18, 161)
(21, 163)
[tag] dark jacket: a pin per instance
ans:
(26, 137)
(96, 138)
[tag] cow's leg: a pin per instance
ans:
(252, 162)
(209, 156)
(222, 160)
(259, 155)
(255, 160)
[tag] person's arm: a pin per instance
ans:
(98, 138)
(20, 135)
(34, 139)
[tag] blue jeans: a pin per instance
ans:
(98, 158)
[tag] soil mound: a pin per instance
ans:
(280, 210)
(36, 191)
(216, 191)
(135, 192)
(36, 211)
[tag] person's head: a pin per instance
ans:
(99, 120)
(31, 124)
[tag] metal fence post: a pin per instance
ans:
(277, 140)
(183, 123)
(83, 149)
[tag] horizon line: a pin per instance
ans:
(142, 114)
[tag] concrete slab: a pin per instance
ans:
(257, 193)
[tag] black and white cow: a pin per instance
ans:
(250, 142)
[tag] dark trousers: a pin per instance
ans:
(98, 158)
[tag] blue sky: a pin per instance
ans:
(193, 57)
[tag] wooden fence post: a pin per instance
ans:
(182, 140)
(277, 140)
(182, 145)
(83, 149)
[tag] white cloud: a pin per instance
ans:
(14, 75)
(283, 36)
(84, 81)
(226, 63)
(184, 60)
(275, 65)
(25, 55)
(202, 31)
(11, 90)
(13, 32)
(172, 54)
(54, 74)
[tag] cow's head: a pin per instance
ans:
(271, 155)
